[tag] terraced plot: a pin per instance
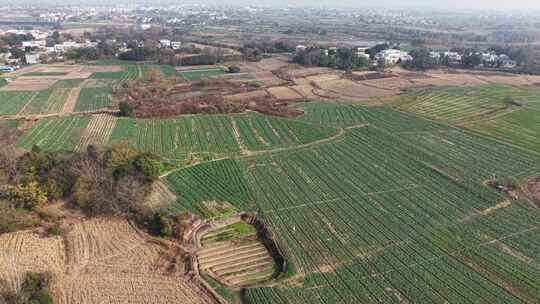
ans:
(233, 256)
(91, 99)
(55, 134)
(13, 102)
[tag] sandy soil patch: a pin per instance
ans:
(247, 96)
(268, 78)
(29, 84)
(308, 72)
(284, 93)
(306, 91)
(71, 101)
(351, 89)
(320, 79)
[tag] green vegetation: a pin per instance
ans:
(209, 137)
(230, 232)
(216, 181)
(53, 134)
(383, 209)
(507, 113)
(198, 74)
(34, 290)
(67, 83)
(92, 99)
(47, 101)
(46, 74)
(226, 293)
(463, 104)
(12, 102)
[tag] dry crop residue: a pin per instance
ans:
(99, 261)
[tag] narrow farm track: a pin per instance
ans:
(69, 106)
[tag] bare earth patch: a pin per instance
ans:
(99, 261)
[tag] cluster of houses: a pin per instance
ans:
(487, 59)
(393, 56)
(37, 49)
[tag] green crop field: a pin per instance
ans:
(94, 99)
(463, 104)
(225, 176)
(133, 70)
(53, 134)
(198, 74)
(47, 101)
(46, 74)
(507, 113)
(12, 102)
(396, 209)
(209, 137)
(67, 83)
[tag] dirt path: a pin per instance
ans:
(69, 105)
(338, 135)
(243, 149)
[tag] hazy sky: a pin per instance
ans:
(458, 4)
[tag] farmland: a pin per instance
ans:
(208, 137)
(46, 102)
(375, 218)
(506, 113)
(383, 201)
(12, 102)
(55, 134)
(94, 99)
(198, 74)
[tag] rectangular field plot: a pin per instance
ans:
(259, 132)
(209, 188)
(55, 134)
(129, 72)
(183, 138)
(12, 102)
(198, 74)
(47, 102)
(346, 115)
(383, 216)
(67, 83)
(92, 99)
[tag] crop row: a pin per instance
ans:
(210, 137)
(12, 102)
(94, 99)
(55, 134)
(375, 218)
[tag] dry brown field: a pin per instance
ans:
(284, 93)
(99, 261)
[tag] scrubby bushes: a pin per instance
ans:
(34, 290)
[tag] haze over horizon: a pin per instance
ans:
(457, 4)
